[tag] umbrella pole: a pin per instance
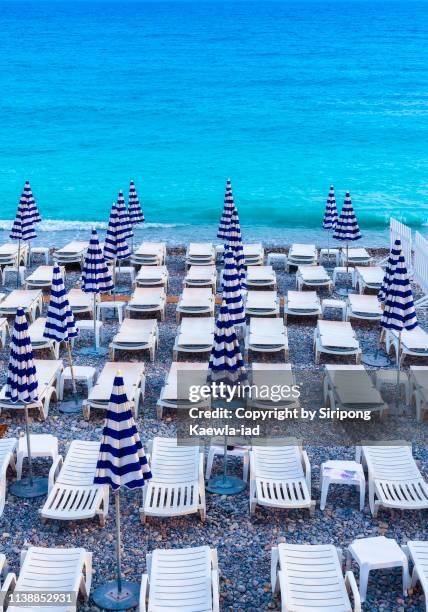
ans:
(18, 263)
(95, 321)
(225, 459)
(347, 261)
(70, 363)
(118, 542)
(328, 247)
(27, 433)
(397, 391)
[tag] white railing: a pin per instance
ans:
(420, 270)
(404, 233)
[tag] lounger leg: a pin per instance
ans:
(246, 466)
(210, 460)
(364, 578)
(325, 484)
(2, 493)
(274, 569)
(159, 410)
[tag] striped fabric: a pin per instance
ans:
(122, 461)
(226, 363)
(396, 294)
(23, 226)
(21, 385)
(232, 289)
(228, 208)
(124, 224)
(96, 277)
(234, 243)
(347, 224)
(330, 215)
(60, 324)
(32, 206)
(115, 245)
(135, 213)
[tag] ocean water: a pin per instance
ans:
(283, 97)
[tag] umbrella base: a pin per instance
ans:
(90, 351)
(226, 485)
(107, 597)
(70, 407)
(377, 359)
(25, 488)
(344, 291)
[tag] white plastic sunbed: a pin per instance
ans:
(147, 300)
(417, 552)
(310, 578)
(73, 252)
(195, 301)
(200, 254)
(394, 478)
(366, 307)
(262, 304)
(301, 254)
(261, 276)
(181, 580)
(41, 278)
(356, 256)
(201, 276)
(349, 387)
(313, 276)
(254, 254)
(175, 392)
(177, 486)
(272, 377)
(194, 335)
(48, 374)
(38, 341)
(81, 302)
(302, 304)
(45, 571)
(335, 338)
(31, 300)
(9, 254)
(136, 335)
(134, 381)
(7, 459)
(72, 493)
(280, 477)
(413, 343)
(368, 277)
(266, 335)
(150, 254)
(419, 389)
(152, 276)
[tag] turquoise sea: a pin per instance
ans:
(283, 97)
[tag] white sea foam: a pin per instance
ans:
(61, 225)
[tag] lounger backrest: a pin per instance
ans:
(146, 294)
(271, 327)
(151, 272)
(21, 297)
(313, 577)
(261, 299)
(196, 295)
(131, 372)
(419, 552)
(391, 462)
(7, 446)
(181, 578)
(277, 462)
(133, 329)
(173, 464)
(37, 328)
(51, 569)
(80, 463)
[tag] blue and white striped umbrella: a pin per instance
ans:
(32, 206)
(21, 385)
(226, 216)
(226, 363)
(122, 461)
(390, 265)
(347, 224)
(23, 226)
(234, 243)
(232, 293)
(60, 323)
(124, 223)
(96, 277)
(115, 245)
(330, 215)
(135, 213)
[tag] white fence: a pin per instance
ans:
(420, 269)
(404, 233)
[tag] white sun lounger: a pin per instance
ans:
(194, 335)
(261, 276)
(152, 276)
(280, 477)
(134, 381)
(394, 478)
(368, 277)
(150, 254)
(254, 254)
(310, 578)
(73, 252)
(313, 276)
(9, 254)
(356, 256)
(272, 377)
(4, 330)
(366, 307)
(41, 278)
(201, 276)
(335, 338)
(262, 304)
(136, 335)
(38, 341)
(72, 494)
(147, 300)
(302, 304)
(175, 392)
(349, 387)
(266, 335)
(60, 571)
(413, 343)
(200, 254)
(181, 580)
(48, 377)
(7, 459)
(195, 301)
(419, 389)
(81, 302)
(301, 255)
(177, 486)
(31, 300)
(417, 552)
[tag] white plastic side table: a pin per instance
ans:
(116, 305)
(42, 445)
(344, 473)
(85, 373)
(332, 303)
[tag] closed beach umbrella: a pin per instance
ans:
(347, 229)
(234, 243)
(22, 388)
(61, 326)
(232, 292)
(115, 245)
(22, 228)
(226, 366)
(121, 463)
(96, 277)
(330, 216)
(124, 223)
(32, 206)
(389, 270)
(227, 212)
(135, 212)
